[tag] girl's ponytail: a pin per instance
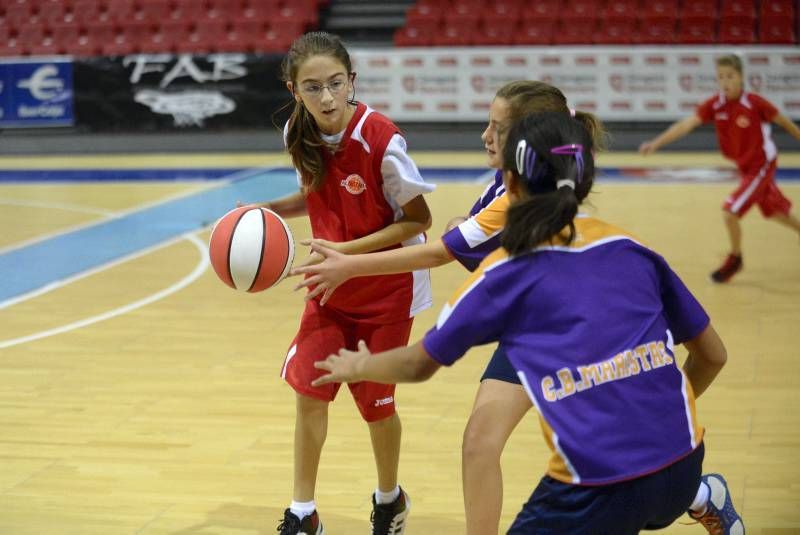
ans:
(551, 157)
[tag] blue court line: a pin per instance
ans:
(31, 267)
(432, 174)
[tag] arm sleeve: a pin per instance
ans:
(472, 240)
(401, 178)
(766, 110)
(493, 189)
(685, 315)
(706, 110)
(468, 319)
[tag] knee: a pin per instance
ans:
(480, 442)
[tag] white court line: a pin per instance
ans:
(57, 206)
(199, 269)
(115, 215)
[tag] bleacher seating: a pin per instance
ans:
(603, 22)
(119, 27)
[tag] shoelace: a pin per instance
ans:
(711, 522)
(382, 517)
(289, 525)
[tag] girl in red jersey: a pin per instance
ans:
(362, 193)
(500, 402)
(742, 121)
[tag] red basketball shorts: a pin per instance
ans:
(758, 188)
(324, 331)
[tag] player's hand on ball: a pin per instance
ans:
(342, 368)
(326, 275)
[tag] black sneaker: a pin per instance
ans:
(728, 269)
(390, 518)
(291, 525)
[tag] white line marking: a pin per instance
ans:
(199, 269)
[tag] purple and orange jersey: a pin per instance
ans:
(472, 240)
(590, 329)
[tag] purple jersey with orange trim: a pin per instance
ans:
(472, 240)
(590, 329)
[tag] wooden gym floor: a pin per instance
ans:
(140, 395)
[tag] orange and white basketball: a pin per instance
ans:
(251, 249)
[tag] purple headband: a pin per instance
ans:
(576, 149)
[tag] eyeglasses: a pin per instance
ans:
(314, 90)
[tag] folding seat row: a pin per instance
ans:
(665, 31)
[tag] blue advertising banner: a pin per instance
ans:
(36, 93)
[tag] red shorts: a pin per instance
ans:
(758, 188)
(324, 331)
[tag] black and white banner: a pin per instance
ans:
(167, 91)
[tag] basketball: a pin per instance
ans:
(251, 249)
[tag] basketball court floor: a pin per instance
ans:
(140, 395)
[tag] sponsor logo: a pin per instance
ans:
(758, 60)
(756, 81)
(43, 83)
(791, 60)
(585, 60)
(690, 60)
(410, 83)
(447, 106)
(384, 401)
(413, 62)
(481, 60)
(516, 60)
(620, 60)
(742, 121)
(354, 185)
(655, 60)
(550, 60)
(447, 61)
(188, 108)
(686, 81)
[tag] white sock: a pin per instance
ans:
(700, 501)
(387, 497)
(302, 509)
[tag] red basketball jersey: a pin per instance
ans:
(353, 202)
(743, 129)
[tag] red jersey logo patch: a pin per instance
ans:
(354, 184)
(742, 121)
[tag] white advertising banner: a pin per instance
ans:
(616, 83)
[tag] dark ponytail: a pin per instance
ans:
(303, 139)
(550, 155)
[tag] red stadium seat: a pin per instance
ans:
(19, 14)
(493, 34)
(620, 10)
(454, 35)
(776, 31)
(189, 10)
(155, 10)
(533, 34)
(574, 32)
(696, 33)
(777, 8)
(424, 13)
(735, 33)
(117, 10)
(544, 12)
(65, 32)
(655, 32)
(659, 9)
(744, 8)
(278, 38)
(611, 32)
(699, 12)
(417, 34)
(580, 11)
(464, 13)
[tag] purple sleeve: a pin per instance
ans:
(685, 315)
(472, 321)
(469, 257)
(493, 190)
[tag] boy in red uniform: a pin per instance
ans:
(742, 121)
